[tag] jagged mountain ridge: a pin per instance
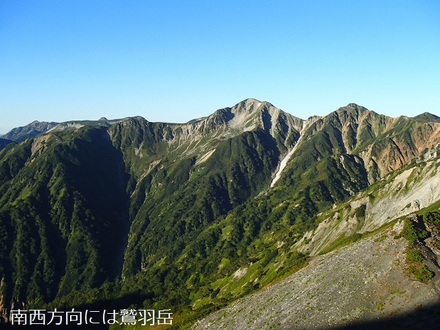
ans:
(243, 117)
(188, 205)
(356, 130)
(21, 133)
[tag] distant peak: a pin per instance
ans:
(102, 119)
(251, 104)
(248, 103)
(353, 107)
(427, 117)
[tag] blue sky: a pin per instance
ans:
(178, 60)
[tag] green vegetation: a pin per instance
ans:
(413, 232)
(421, 272)
(65, 217)
(413, 255)
(62, 234)
(432, 218)
(360, 211)
(417, 232)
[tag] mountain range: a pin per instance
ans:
(197, 216)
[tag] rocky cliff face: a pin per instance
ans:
(383, 143)
(398, 194)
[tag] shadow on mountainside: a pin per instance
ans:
(424, 317)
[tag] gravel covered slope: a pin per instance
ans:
(363, 281)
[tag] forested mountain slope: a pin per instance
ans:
(184, 216)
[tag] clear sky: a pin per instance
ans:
(178, 60)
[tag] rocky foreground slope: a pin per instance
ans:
(360, 283)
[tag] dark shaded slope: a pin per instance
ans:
(424, 317)
(64, 211)
(4, 143)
